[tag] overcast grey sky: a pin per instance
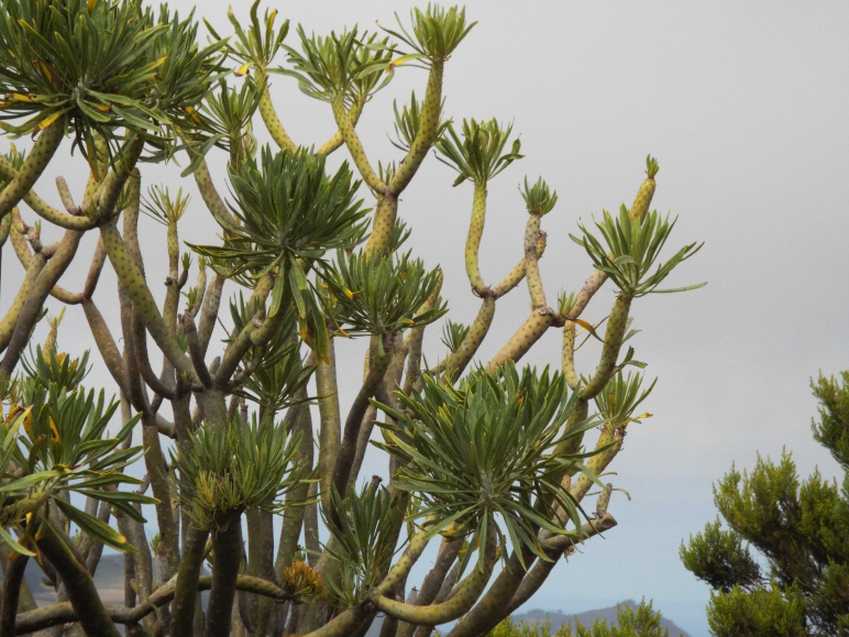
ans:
(745, 104)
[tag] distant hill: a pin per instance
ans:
(109, 578)
(556, 618)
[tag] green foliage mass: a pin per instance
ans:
(800, 530)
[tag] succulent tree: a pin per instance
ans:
(488, 460)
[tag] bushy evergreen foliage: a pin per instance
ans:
(797, 583)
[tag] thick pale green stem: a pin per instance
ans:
(457, 361)
(134, 285)
(278, 132)
(613, 334)
(342, 475)
(342, 625)
(36, 161)
(10, 319)
(489, 610)
(542, 568)
(428, 129)
(44, 210)
(383, 226)
(522, 340)
(458, 603)
(568, 356)
(157, 471)
(401, 568)
(172, 287)
(299, 421)
(269, 115)
(515, 276)
(110, 188)
(209, 193)
(642, 201)
(611, 437)
(106, 344)
(330, 427)
(535, 288)
(448, 551)
(52, 271)
(345, 121)
(473, 239)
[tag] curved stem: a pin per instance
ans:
(186, 585)
(36, 161)
(535, 288)
(14, 577)
(428, 129)
(227, 550)
(473, 239)
(78, 583)
(613, 335)
(345, 121)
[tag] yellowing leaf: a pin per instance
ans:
(587, 326)
(27, 417)
(54, 431)
(103, 108)
(401, 61)
(243, 70)
(21, 97)
(91, 5)
(49, 120)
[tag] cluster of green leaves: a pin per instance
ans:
(260, 43)
(104, 65)
(483, 452)
(55, 443)
(720, 557)
(479, 152)
(630, 250)
(831, 429)
(226, 469)
(800, 528)
(539, 198)
(408, 122)
(435, 32)
(163, 206)
(229, 114)
(287, 214)
(760, 613)
(276, 369)
(453, 334)
(620, 398)
(383, 294)
(362, 527)
(350, 66)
